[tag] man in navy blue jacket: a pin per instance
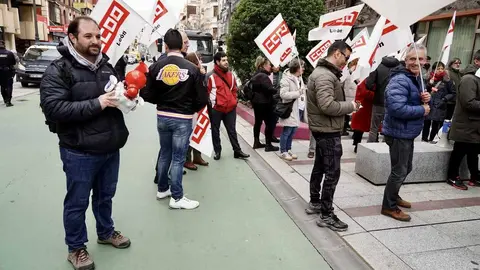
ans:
(406, 105)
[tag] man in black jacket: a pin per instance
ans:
(7, 72)
(91, 131)
(177, 88)
(377, 81)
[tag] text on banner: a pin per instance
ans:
(111, 23)
(203, 123)
(273, 41)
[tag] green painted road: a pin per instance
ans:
(238, 225)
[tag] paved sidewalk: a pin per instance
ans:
(443, 234)
(239, 224)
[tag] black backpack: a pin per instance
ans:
(65, 68)
(247, 91)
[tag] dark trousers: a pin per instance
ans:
(328, 153)
(357, 137)
(460, 149)
(6, 86)
(264, 113)
(401, 156)
(450, 111)
(196, 154)
(436, 125)
(229, 121)
(85, 173)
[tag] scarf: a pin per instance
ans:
(437, 77)
(80, 59)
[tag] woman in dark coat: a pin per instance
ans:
(442, 89)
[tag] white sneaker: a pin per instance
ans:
(183, 203)
(286, 156)
(292, 154)
(163, 195)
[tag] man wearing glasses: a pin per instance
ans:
(456, 76)
(326, 108)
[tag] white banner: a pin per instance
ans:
(276, 41)
(358, 44)
(404, 13)
(336, 25)
(292, 54)
(119, 24)
(386, 38)
(319, 51)
(448, 40)
(164, 17)
(201, 138)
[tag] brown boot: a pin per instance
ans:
(189, 165)
(396, 214)
(117, 240)
(80, 260)
(197, 159)
(403, 203)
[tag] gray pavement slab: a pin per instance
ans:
(238, 225)
(466, 233)
(460, 258)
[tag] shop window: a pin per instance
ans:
(436, 37)
(463, 40)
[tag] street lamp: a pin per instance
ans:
(37, 38)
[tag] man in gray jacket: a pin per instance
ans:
(326, 108)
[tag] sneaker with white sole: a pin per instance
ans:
(286, 156)
(183, 203)
(163, 195)
(292, 154)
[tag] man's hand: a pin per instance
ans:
(427, 109)
(356, 106)
(426, 97)
(108, 100)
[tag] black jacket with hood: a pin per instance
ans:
(466, 118)
(263, 88)
(69, 95)
(380, 78)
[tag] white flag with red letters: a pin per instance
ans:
(292, 54)
(119, 24)
(276, 41)
(319, 51)
(201, 138)
(164, 17)
(336, 25)
(358, 44)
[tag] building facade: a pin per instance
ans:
(226, 7)
(201, 15)
(466, 38)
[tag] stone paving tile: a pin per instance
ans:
(348, 167)
(303, 169)
(359, 201)
(466, 233)
(475, 209)
(453, 193)
(459, 258)
(414, 240)
(381, 222)
(375, 253)
(447, 215)
(420, 196)
(353, 227)
(353, 190)
(475, 249)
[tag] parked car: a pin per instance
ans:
(35, 61)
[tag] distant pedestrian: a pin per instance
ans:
(7, 72)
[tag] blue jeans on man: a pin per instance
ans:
(85, 173)
(174, 140)
(286, 139)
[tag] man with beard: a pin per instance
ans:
(91, 131)
(222, 88)
(326, 109)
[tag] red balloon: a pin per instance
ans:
(135, 80)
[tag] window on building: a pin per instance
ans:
(463, 41)
(191, 10)
(215, 11)
(5, 2)
(214, 33)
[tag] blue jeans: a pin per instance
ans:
(86, 172)
(287, 138)
(174, 140)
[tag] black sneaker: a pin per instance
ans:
(275, 140)
(457, 183)
(332, 222)
(217, 156)
(313, 209)
(271, 148)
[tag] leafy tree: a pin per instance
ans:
(252, 16)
